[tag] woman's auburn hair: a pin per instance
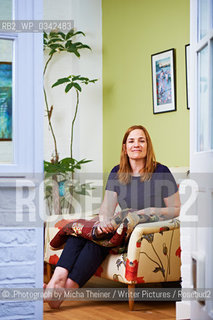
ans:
(125, 170)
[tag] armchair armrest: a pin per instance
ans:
(148, 228)
(139, 269)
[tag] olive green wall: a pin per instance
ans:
(132, 31)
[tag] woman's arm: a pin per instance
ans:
(107, 210)
(171, 210)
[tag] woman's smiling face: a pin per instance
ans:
(136, 145)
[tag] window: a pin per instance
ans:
(20, 56)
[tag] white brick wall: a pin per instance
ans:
(18, 256)
(17, 310)
(21, 247)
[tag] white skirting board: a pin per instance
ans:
(183, 310)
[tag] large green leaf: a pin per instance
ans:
(68, 161)
(83, 79)
(76, 85)
(45, 35)
(56, 46)
(60, 81)
(74, 78)
(94, 80)
(52, 168)
(69, 34)
(84, 161)
(53, 40)
(69, 87)
(53, 34)
(63, 35)
(78, 32)
(68, 44)
(80, 45)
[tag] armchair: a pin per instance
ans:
(153, 255)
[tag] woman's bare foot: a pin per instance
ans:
(57, 284)
(70, 284)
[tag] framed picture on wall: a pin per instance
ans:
(187, 46)
(5, 101)
(163, 81)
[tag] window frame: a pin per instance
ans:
(27, 97)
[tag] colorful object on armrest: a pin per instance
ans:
(123, 222)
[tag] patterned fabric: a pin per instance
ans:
(123, 222)
(153, 253)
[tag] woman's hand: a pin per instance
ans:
(104, 227)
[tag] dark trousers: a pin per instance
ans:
(81, 258)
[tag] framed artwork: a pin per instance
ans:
(163, 81)
(187, 46)
(5, 101)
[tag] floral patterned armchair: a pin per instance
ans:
(153, 255)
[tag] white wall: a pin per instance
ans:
(88, 128)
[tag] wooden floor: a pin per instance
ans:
(111, 310)
(108, 310)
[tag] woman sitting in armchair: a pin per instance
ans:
(139, 183)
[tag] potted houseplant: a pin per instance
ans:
(59, 173)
